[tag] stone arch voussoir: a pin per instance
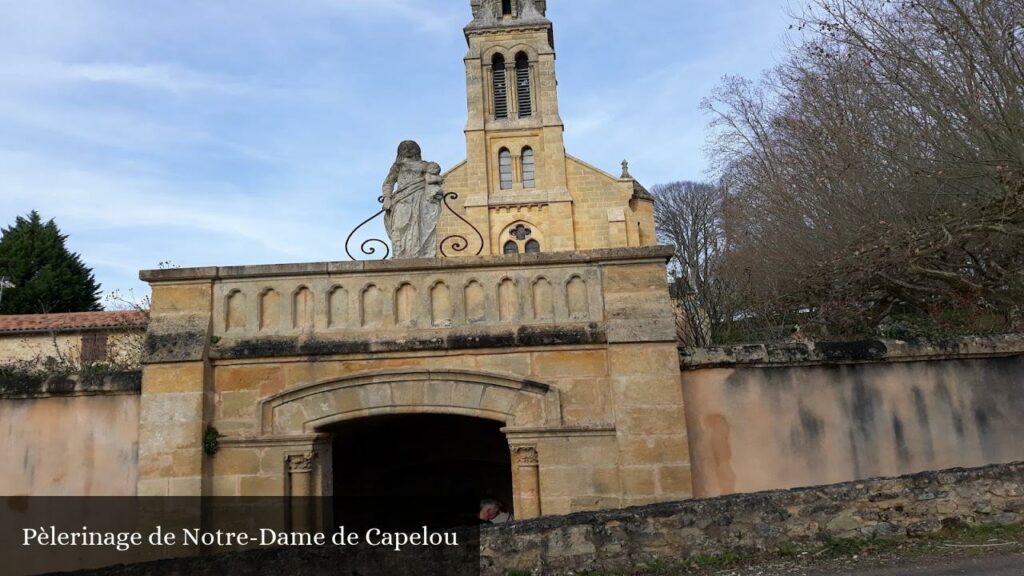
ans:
(309, 408)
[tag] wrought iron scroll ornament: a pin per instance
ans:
(457, 242)
(368, 246)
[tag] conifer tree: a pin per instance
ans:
(47, 277)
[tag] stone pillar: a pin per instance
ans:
(175, 383)
(526, 482)
(643, 360)
(300, 490)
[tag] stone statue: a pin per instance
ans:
(413, 192)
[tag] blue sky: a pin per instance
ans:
(222, 132)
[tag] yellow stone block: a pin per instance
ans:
(236, 462)
(572, 364)
(256, 378)
(638, 480)
(656, 359)
(195, 298)
(661, 419)
(675, 480)
(237, 405)
(635, 278)
(647, 390)
(173, 378)
(261, 486)
(225, 485)
(654, 450)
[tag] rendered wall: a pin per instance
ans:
(763, 419)
(61, 441)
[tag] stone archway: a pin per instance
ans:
(404, 471)
(318, 407)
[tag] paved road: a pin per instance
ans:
(1005, 566)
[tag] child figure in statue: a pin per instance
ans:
(412, 203)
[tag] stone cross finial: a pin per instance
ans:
(625, 170)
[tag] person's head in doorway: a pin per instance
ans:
(489, 510)
(493, 512)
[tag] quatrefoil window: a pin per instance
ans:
(521, 232)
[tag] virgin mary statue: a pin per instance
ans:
(412, 203)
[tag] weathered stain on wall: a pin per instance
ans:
(769, 425)
(70, 445)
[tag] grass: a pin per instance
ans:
(721, 561)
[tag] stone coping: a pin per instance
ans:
(869, 351)
(662, 253)
(113, 383)
(617, 540)
(721, 508)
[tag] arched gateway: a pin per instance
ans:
(574, 389)
(382, 398)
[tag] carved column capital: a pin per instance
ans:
(300, 463)
(524, 455)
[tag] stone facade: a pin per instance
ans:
(620, 540)
(573, 353)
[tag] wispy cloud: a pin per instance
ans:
(428, 15)
(259, 131)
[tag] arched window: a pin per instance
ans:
(529, 169)
(505, 168)
(500, 87)
(511, 247)
(523, 93)
(506, 7)
(533, 247)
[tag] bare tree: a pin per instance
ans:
(879, 171)
(690, 218)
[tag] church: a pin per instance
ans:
(532, 360)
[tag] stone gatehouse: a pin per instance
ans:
(571, 356)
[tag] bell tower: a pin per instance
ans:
(518, 186)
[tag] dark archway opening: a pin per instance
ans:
(408, 471)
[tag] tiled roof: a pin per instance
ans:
(72, 322)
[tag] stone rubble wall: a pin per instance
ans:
(908, 506)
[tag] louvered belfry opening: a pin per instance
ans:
(505, 168)
(523, 92)
(500, 87)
